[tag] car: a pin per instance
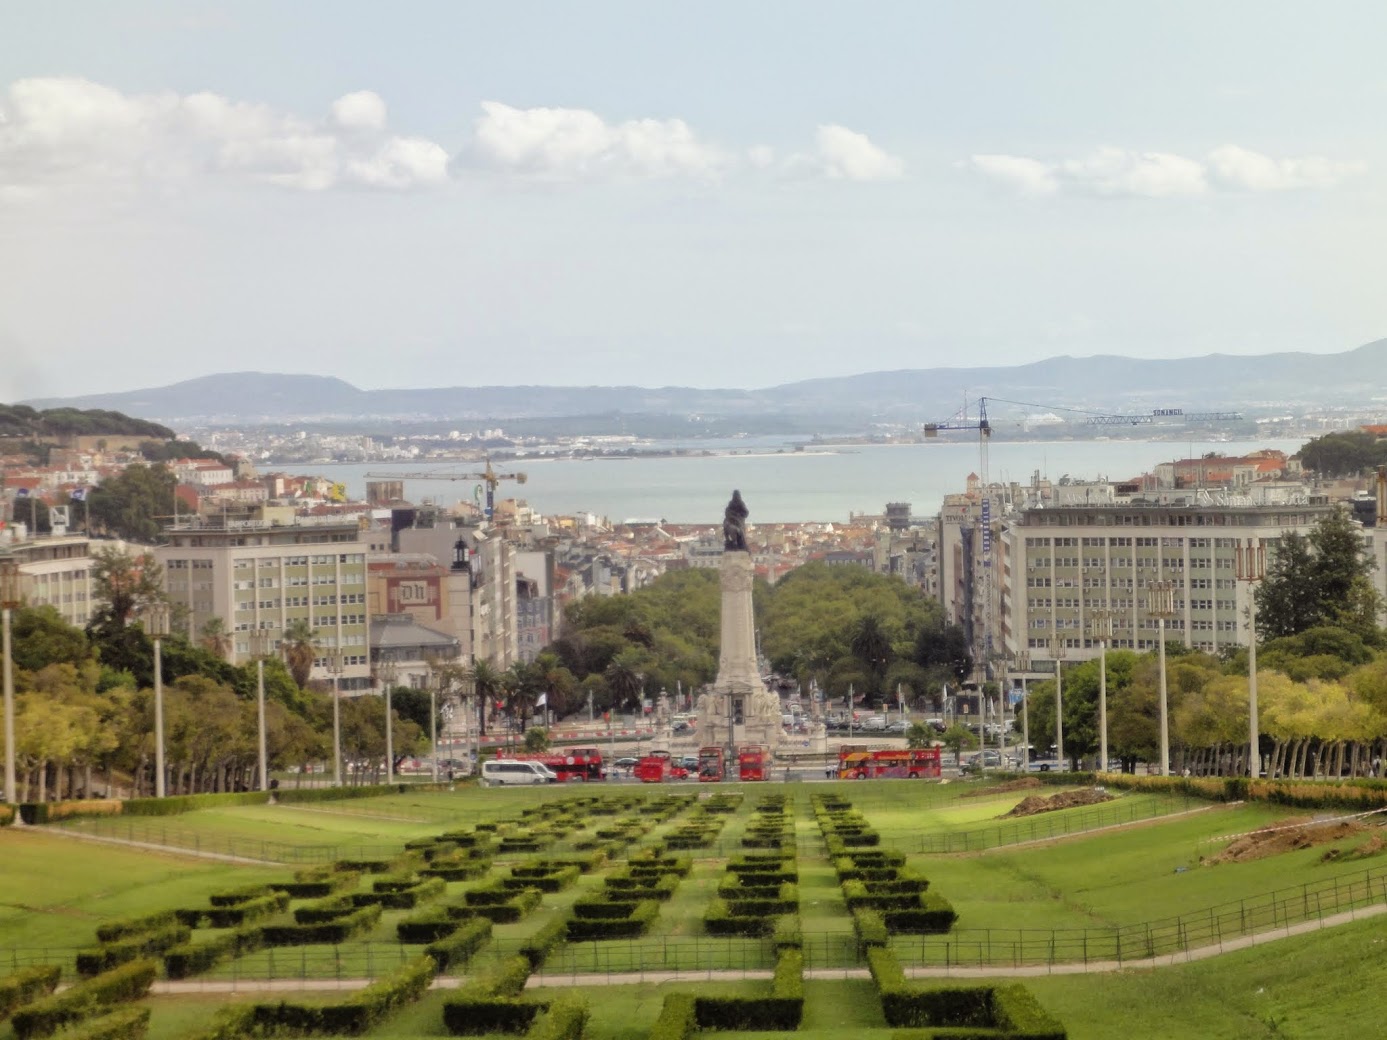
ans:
(876, 723)
(897, 726)
(626, 763)
(689, 762)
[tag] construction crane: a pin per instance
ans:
(489, 477)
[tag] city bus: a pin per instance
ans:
(578, 764)
(710, 765)
(859, 763)
(753, 762)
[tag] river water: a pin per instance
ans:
(780, 484)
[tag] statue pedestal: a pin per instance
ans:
(738, 692)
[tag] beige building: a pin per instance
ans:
(1064, 562)
(56, 572)
(258, 575)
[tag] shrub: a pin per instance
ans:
(933, 916)
(719, 921)
(787, 933)
(6, 815)
(27, 985)
(318, 882)
(122, 951)
(550, 879)
(128, 926)
(1016, 1009)
(119, 985)
(870, 928)
(193, 958)
(337, 930)
(238, 895)
(352, 1016)
(426, 929)
(394, 898)
(677, 1020)
(539, 945)
(175, 805)
(250, 910)
(458, 947)
(329, 909)
(582, 929)
(781, 1010)
(487, 1004)
(565, 1020)
(363, 866)
(123, 1024)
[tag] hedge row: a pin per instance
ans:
(337, 930)
(779, 1011)
(86, 999)
(123, 1024)
(391, 896)
(552, 879)
(634, 922)
(126, 927)
(7, 814)
(1009, 1011)
(1359, 794)
(190, 959)
(27, 985)
(352, 1016)
(513, 909)
(678, 1020)
(458, 947)
(566, 1019)
(542, 942)
(642, 886)
(122, 951)
(236, 914)
(317, 882)
(487, 1004)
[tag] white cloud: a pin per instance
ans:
(574, 143)
(848, 155)
(1111, 171)
(361, 110)
(1028, 176)
(1244, 169)
(60, 131)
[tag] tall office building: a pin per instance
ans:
(1066, 561)
(259, 575)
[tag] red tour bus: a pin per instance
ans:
(710, 765)
(859, 763)
(754, 762)
(577, 763)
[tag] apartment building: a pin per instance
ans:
(1066, 561)
(57, 572)
(259, 575)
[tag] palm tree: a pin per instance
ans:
(300, 644)
(624, 678)
(871, 646)
(486, 681)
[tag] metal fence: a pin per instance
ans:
(153, 832)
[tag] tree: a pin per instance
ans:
(41, 637)
(132, 503)
(536, 739)
(872, 649)
(125, 585)
(1320, 579)
(957, 737)
(214, 637)
(943, 649)
(300, 643)
(919, 735)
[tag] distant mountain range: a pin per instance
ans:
(1255, 384)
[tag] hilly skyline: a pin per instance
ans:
(1103, 384)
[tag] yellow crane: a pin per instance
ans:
(488, 477)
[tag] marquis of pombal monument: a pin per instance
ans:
(738, 709)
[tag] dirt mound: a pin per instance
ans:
(1287, 837)
(1023, 783)
(1037, 804)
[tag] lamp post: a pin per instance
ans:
(1161, 606)
(1100, 625)
(386, 675)
(1251, 567)
(261, 645)
(1058, 651)
(435, 683)
(156, 626)
(1002, 698)
(9, 599)
(335, 669)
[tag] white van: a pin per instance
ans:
(495, 774)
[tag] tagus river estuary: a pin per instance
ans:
(781, 484)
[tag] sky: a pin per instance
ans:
(717, 194)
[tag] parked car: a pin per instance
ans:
(626, 763)
(874, 722)
(898, 725)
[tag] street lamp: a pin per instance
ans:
(386, 675)
(9, 600)
(1251, 564)
(156, 626)
(1058, 651)
(1100, 626)
(435, 683)
(262, 644)
(1161, 606)
(335, 669)
(1023, 665)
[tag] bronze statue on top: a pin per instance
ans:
(734, 524)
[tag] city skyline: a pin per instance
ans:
(466, 196)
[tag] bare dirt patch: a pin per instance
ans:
(1288, 836)
(1036, 804)
(1023, 783)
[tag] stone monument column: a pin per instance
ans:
(738, 692)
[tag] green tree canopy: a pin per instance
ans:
(1317, 580)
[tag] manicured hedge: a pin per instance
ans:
(126, 927)
(718, 921)
(458, 947)
(934, 916)
(251, 910)
(583, 929)
(317, 882)
(427, 928)
(870, 928)
(175, 805)
(487, 1004)
(328, 909)
(512, 910)
(7, 814)
(123, 1024)
(646, 886)
(456, 868)
(364, 866)
(565, 1020)
(190, 959)
(337, 930)
(678, 1020)
(392, 897)
(27, 985)
(84, 1000)
(542, 942)
(122, 951)
(780, 1011)
(550, 879)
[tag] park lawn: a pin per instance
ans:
(57, 890)
(1325, 986)
(1120, 877)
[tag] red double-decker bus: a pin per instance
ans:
(859, 763)
(576, 764)
(754, 762)
(710, 765)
